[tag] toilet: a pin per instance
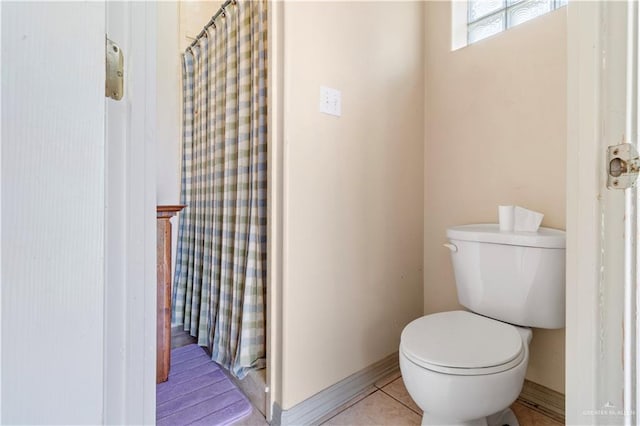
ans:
(468, 367)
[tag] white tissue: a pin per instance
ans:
(526, 220)
(506, 217)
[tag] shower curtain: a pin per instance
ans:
(220, 279)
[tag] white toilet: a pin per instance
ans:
(467, 368)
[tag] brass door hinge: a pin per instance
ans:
(114, 83)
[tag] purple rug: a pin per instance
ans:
(198, 392)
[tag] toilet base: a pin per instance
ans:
(506, 417)
(503, 418)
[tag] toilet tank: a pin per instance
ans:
(515, 277)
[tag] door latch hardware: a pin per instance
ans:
(623, 166)
(114, 83)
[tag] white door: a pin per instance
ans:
(601, 222)
(53, 187)
(78, 216)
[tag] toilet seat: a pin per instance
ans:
(462, 343)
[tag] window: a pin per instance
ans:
(488, 17)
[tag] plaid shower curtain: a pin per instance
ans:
(219, 291)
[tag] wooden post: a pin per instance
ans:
(163, 343)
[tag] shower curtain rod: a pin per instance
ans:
(210, 23)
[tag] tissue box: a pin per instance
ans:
(526, 220)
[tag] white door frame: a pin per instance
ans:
(583, 210)
(595, 216)
(130, 271)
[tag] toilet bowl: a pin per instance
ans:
(467, 368)
(465, 392)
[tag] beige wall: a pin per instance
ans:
(194, 15)
(168, 109)
(495, 134)
(353, 192)
(168, 105)
(177, 21)
(178, 24)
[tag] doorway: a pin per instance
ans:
(181, 24)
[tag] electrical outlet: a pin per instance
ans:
(330, 101)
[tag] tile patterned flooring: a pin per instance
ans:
(388, 403)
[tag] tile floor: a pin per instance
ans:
(388, 403)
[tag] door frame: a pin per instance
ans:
(135, 327)
(583, 217)
(594, 344)
(583, 209)
(130, 231)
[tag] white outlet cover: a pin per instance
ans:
(330, 101)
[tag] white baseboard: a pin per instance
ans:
(316, 408)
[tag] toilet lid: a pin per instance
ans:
(455, 341)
